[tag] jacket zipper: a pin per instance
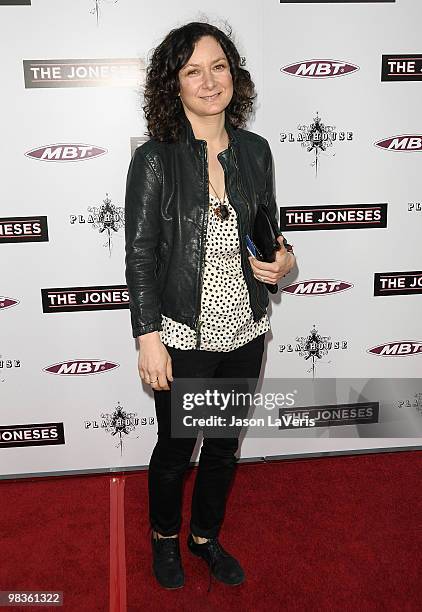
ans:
(198, 313)
(255, 292)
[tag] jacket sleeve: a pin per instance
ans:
(142, 231)
(269, 188)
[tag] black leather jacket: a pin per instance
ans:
(166, 211)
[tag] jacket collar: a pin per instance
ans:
(188, 135)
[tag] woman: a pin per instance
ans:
(198, 301)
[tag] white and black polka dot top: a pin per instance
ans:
(226, 317)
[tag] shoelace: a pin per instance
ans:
(216, 552)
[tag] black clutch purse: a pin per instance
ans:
(264, 236)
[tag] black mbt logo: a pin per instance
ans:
(316, 138)
(107, 219)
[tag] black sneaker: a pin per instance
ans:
(167, 564)
(222, 566)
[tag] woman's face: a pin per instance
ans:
(206, 85)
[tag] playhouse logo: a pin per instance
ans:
(398, 283)
(75, 299)
(414, 207)
(313, 348)
(317, 287)
(334, 217)
(399, 348)
(97, 8)
(8, 364)
(119, 424)
(316, 138)
(65, 152)
(81, 367)
(106, 218)
(319, 69)
(399, 67)
(408, 143)
(84, 73)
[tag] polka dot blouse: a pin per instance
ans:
(226, 316)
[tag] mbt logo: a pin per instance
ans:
(6, 302)
(317, 287)
(319, 69)
(62, 152)
(81, 366)
(402, 348)
(406, 142)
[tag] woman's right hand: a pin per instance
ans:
(154, 361)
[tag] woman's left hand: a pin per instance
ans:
(272, 272)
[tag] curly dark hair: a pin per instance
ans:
(163, 108)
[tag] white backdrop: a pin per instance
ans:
(94, 122)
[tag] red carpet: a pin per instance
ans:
(332, 534)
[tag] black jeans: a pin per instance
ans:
(171, 456)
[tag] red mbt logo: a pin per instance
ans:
(317, 69)
(317, 287)
(62, 152)
(402, 348)
(406, 142)
(6, 302)
(81, 367)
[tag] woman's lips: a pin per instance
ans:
(211, 98)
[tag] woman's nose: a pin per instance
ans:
(209, 79)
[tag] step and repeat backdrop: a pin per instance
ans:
(339, 95)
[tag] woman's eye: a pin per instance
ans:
(192, 72)
(220, 66)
